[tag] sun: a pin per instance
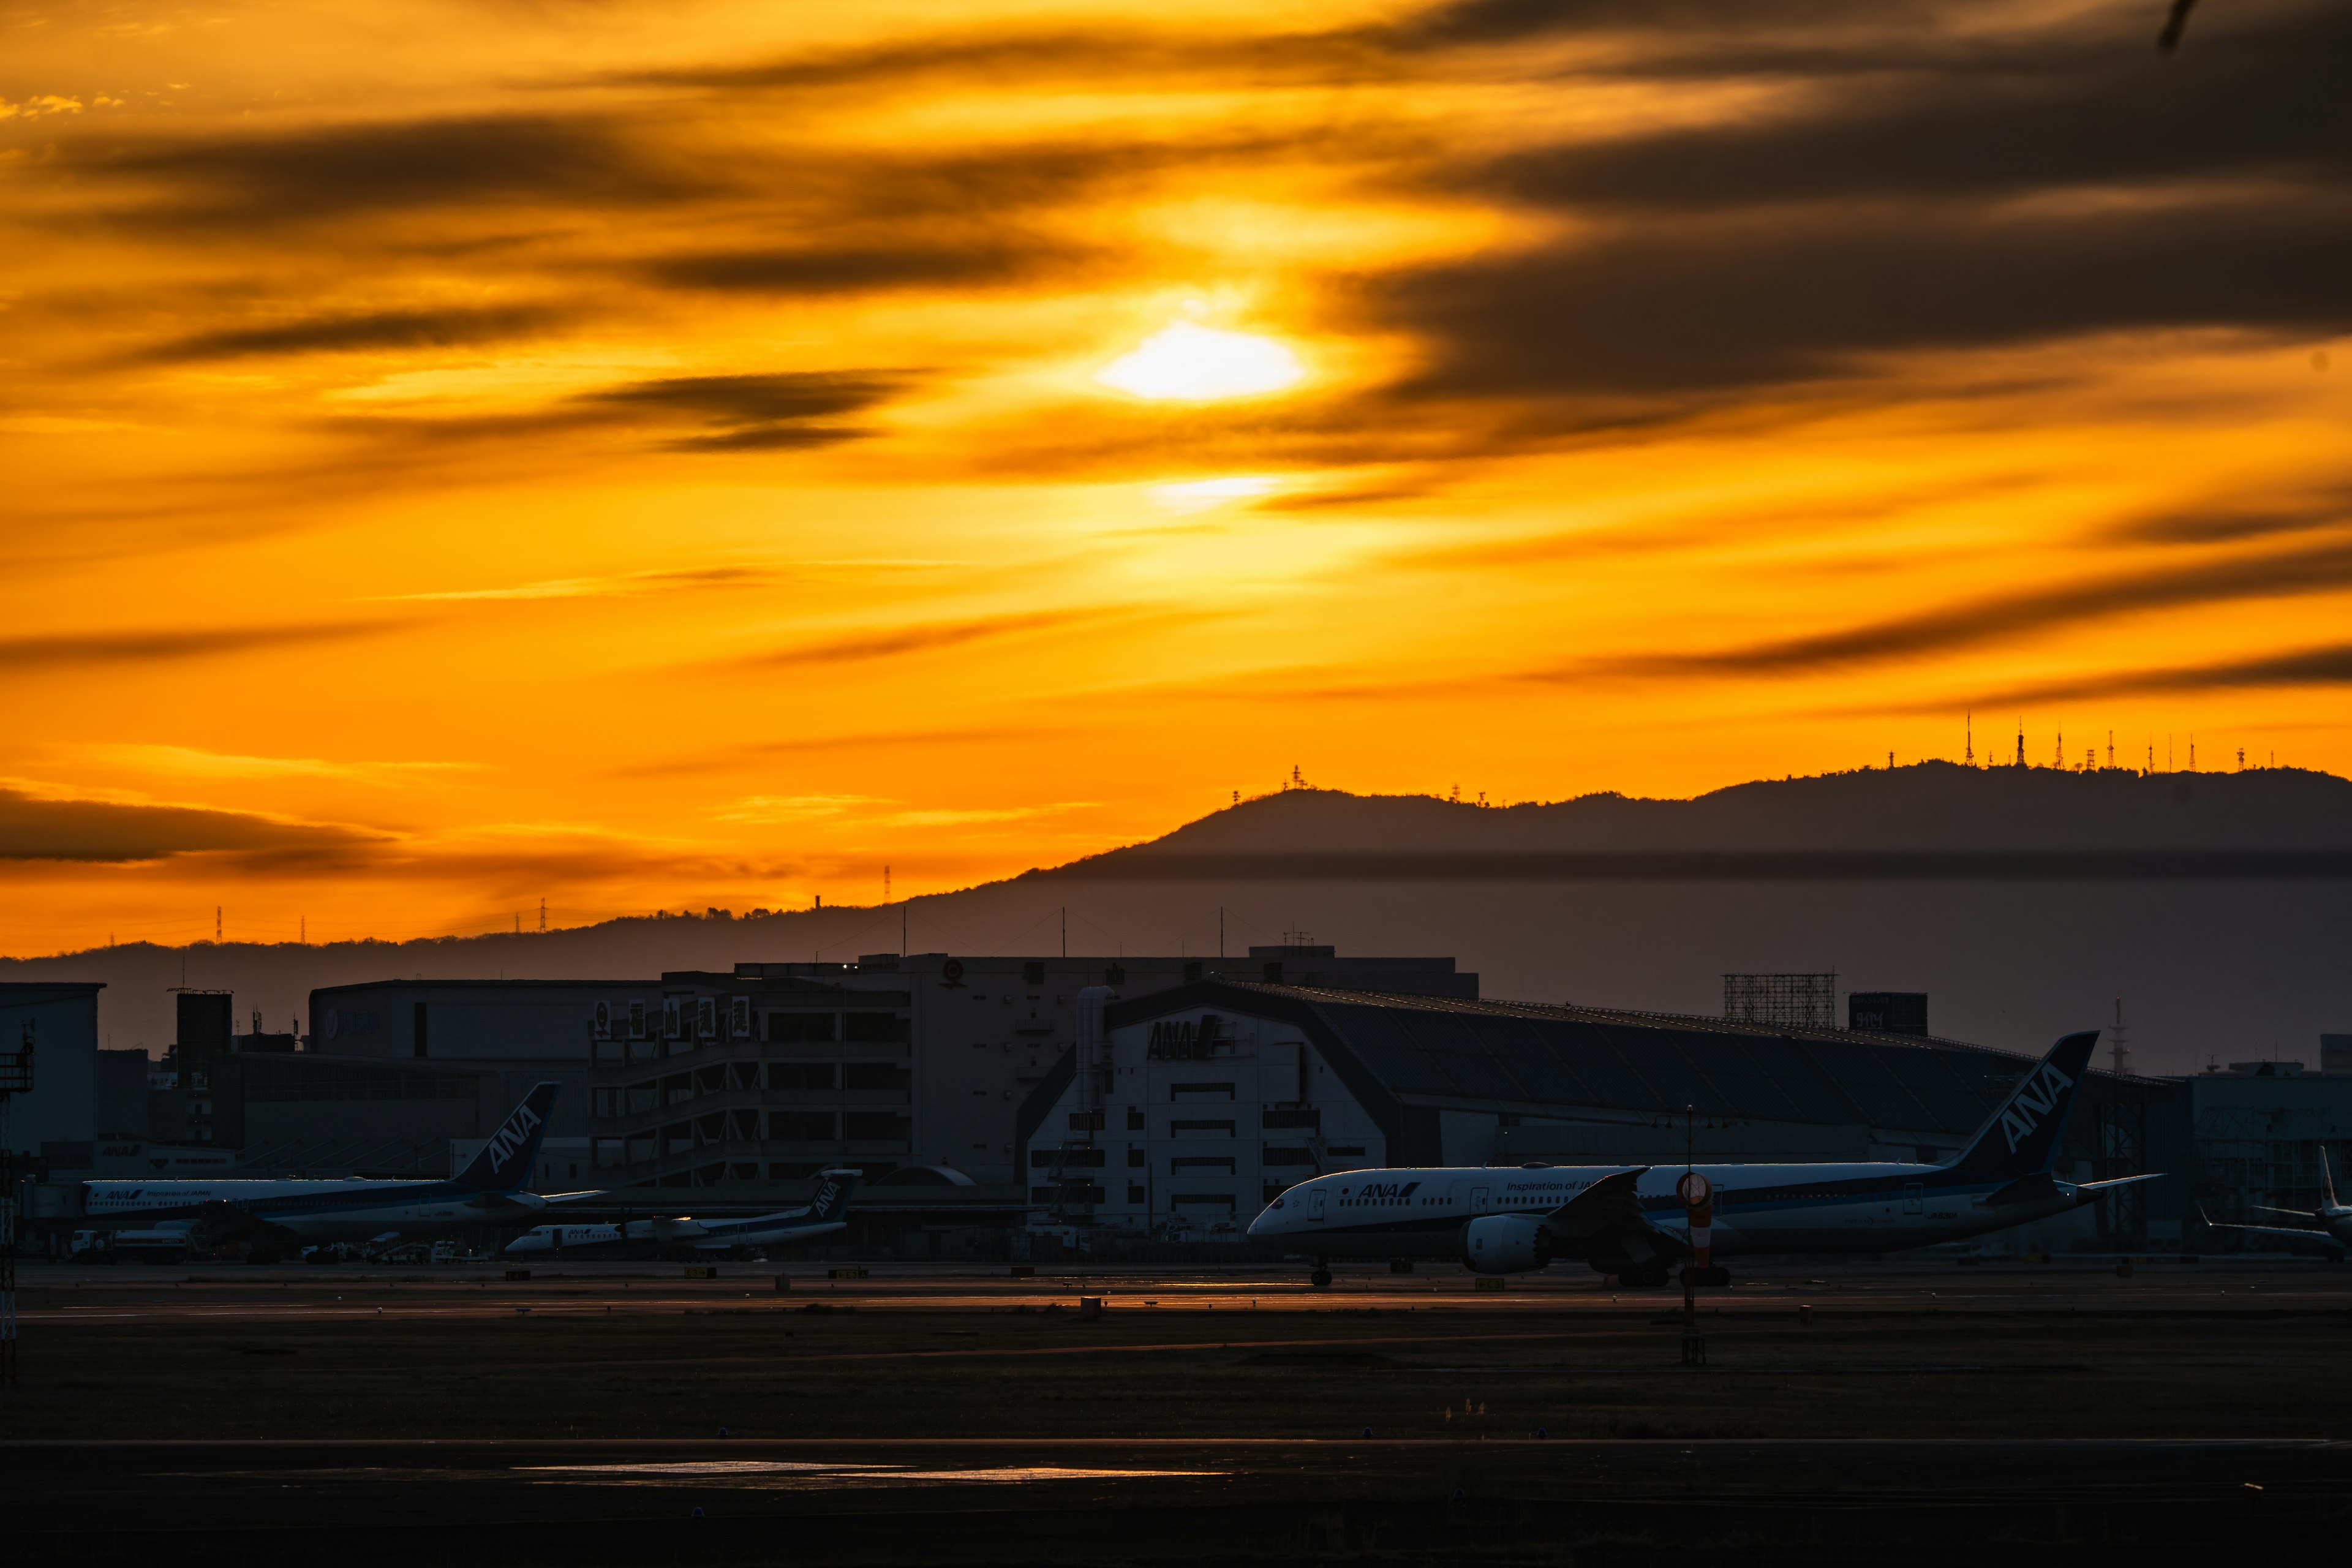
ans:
(1193, 363)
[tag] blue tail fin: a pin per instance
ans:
(832, 1191)
(2022, 1137)
(504, 1164)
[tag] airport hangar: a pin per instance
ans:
(1203, 1102)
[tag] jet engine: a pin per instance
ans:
(1505, 1243)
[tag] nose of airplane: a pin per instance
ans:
(1268, 1221)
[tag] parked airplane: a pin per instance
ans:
(489, 1191)
(2333, 1236)
(1629, 1222)
(821, 1217)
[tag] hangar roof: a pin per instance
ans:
(1423, 1050)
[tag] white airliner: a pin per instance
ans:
(2333, 1236)
(822, 1216)
(1628, 1222)
(489, 1191)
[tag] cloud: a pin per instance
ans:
(761, 412)
(33, 828)
(67, 650)
(2224, 525)
(1887, 196)
(378, 329)
(337, 171)
(2039, 108)
(766, 808)
(187, 761)
(704, 762)
(967, 263)
(925, 638)
(626, 585)
(2317, 570)
(1730, 302)
(2328, 666)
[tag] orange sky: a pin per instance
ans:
(643, 456)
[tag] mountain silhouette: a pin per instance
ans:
(2023, 901)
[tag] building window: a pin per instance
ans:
(1203, 1163)
(1135, 1119)
(1135, 1192)
(874, 1075)
(1086, 1121)
(803, 1126)
(1200, 1092)
(1135, 1156)
(1033, 975)
(1045, 1158)
(605, 1101)
(1284, 1156)
(1204, 1201)
(806, 1078)
(1347, 1151)
(874, 1027)
(1204, 1129)
(1069, 1192)
(785, 1026)
(878, 1127)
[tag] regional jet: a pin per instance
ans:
(2334, 1219)
(821, 1217)
(1629, 1222)
(276, 1213)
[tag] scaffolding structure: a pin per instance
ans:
(2123, 1148)
(16, 1078)
(1781, 1001)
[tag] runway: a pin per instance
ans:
(923, 1414)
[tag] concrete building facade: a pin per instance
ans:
(767, 1074)
(59, 1117)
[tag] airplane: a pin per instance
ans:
(276, 1213)
(822, 1216)
(1628, 1221)
(2333, 1236)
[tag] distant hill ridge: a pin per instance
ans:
(1984, 886)
(1924, 807)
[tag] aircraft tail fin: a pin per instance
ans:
(2327, 1177)
(833, 1190)
(504, 1164)
(2022, 1137)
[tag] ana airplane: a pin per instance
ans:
(821, 1217)
(1629, 1221)
(489, 1191)
(2333, 1236)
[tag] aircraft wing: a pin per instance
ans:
(559, 1200)
(2320, 1237)
(2041, 1186)
(1604, 1211)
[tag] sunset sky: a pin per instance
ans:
(460, 454)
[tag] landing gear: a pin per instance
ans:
(1320, 1278)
